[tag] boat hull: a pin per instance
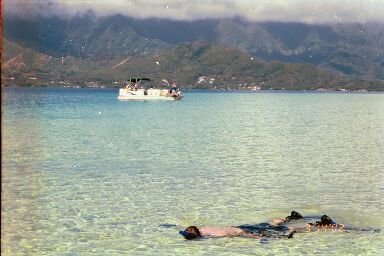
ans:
(150, 94)
(146, 97)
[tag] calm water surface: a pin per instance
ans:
(86, 174)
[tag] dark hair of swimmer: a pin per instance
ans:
(190, 233)
(294, 216)
(325, 220)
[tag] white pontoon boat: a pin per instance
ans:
(133, 91)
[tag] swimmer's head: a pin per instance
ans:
(325, 220)
(294, 216)
(190, 233)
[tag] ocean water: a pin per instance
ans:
(86, 174)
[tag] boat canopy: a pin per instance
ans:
(136, 80)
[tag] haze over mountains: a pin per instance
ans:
(81, 45)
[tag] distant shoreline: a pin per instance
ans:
(210, 90)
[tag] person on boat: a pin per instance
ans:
(174, 90)
(276, 228)
(128, 87)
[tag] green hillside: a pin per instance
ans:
(352, 49)
(194, 65)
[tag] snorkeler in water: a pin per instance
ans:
(193, 232)
(276, 228)
(273, 229)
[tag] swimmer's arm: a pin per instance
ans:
(221, 232)
(250, 235)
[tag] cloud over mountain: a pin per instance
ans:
(307, 11)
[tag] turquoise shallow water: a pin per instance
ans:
(86, 174)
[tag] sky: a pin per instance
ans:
(307, 11)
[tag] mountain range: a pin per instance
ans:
(204, 53)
